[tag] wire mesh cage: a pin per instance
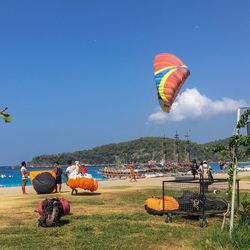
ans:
(248, 127)
(200, 198)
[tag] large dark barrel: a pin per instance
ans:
(44, 183)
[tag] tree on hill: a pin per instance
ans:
(140, 150)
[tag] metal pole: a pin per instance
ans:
(237, 131)
(164, 150)
(233, 197)
(188, 158)
(177, 147)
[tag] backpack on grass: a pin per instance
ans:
(52, 211)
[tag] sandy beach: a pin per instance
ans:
(103, 185)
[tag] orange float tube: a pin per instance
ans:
(154, 205)
(84, 183)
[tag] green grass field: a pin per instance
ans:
(114, 219)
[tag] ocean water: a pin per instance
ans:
(11, 176)
(216, 168)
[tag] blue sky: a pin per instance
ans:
(78, 74)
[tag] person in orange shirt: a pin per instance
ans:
(132, 171)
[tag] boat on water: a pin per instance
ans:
(147, 170)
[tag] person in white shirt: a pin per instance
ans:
(70, 170)
(205, 171)
(25, 175)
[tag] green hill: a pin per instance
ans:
(139, 150)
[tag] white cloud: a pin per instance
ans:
(191, 104)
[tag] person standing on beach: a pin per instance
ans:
(132, 171)
(59, 172)
(70, 170)
(25, 175)
(194, 168)
(222, 165)
(206, 176)
(205, 172)
(84, 169)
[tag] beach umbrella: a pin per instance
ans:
(170, 74)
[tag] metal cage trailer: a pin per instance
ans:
(200, 198)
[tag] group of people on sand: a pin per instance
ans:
(204, 170)
(73, 170)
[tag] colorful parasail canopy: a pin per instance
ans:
(170, 74)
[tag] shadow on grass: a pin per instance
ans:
(117, 187)
(53, 193)
(64, 222)
(86, 194)
(190, 217)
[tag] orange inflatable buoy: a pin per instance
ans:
(154, 205)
